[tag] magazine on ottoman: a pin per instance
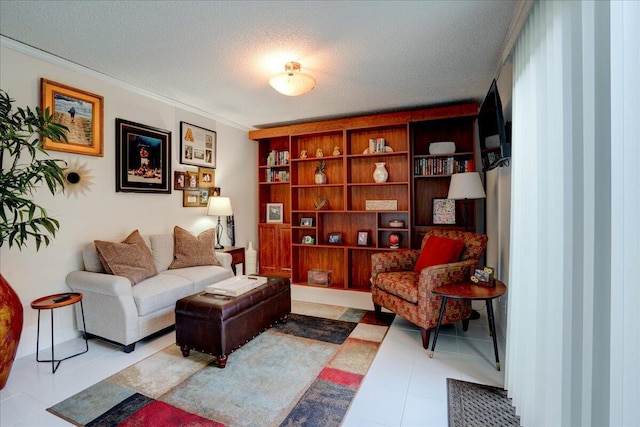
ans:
(235, 286)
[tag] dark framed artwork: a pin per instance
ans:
(143, 158)
(81, 111)
(180, 180)
(197, 146)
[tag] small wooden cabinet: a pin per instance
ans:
(322, 221)
(275, 250)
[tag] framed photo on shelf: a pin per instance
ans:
(81, 111)
(308, 240)
(143, 158)
(363, 238)
(275, 212)
(334, 238)
(191, 199)
(444, 211)
(197, 146)
(306, 222)
(206, 177)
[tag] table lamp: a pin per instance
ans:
(466, 186)
(220, 206)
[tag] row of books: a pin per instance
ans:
(442, 166)
(377, 145)
(276, 175)
(277, 158)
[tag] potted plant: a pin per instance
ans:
(320, 177)
(23, 170)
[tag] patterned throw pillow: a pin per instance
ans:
(439, 250)
(131, 258)
(191, 251)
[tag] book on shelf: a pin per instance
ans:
(377, 145)
(433, 166)
(277, 175)
(278, 158)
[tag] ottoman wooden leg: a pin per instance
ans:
(222, 361)
(185, 351)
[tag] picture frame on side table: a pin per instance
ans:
(191, 199)
(444, 211)
(197, 146)
(143, 158)
(482, 275)
(81, 111)
(275, 213)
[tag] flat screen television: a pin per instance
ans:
(495, 138)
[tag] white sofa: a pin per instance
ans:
(119, 312)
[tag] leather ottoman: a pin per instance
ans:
(218, 325)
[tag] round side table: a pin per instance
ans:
(471, 291)
(51, 302)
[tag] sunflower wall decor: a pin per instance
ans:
(77, 178)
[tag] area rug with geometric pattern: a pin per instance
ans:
(303, 372)
(479, 405)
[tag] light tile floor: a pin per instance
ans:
(402, 388)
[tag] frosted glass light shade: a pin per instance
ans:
(292, 82)
(220, 206)
(466, 185)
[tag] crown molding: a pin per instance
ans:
(80, 69)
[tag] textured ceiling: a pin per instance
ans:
(217, 56)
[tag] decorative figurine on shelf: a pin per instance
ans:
(319, 153)
(394, 241)
(336, 151)
(303, 154)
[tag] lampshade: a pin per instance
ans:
(292, 82)
(220, 206)
(466, 185)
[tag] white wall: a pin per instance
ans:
(102, 213)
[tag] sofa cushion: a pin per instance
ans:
(403, 284)
(202, 275)
(132, 258)
(438, 250)
(160, 291)
(162, 250)
(192, 251)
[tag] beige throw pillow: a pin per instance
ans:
(132, 258)
(191, 251)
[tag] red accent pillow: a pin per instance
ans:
(439, 250)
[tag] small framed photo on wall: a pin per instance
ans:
(191, 198)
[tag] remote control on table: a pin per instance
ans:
(62, 298)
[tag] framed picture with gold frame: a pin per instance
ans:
(191, 198)
(206, 177)
(80, 111)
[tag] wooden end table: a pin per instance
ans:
(470, 291)
(237, 256)
(52, 302)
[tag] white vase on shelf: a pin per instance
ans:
(380, 173)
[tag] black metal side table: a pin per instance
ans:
(52, 302)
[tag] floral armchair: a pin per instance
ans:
(396, 287)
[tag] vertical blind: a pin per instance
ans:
(572, 339)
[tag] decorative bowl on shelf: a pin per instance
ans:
(396, 223)
(444, 147)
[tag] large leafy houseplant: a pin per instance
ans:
(24, 168)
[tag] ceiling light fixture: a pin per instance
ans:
(292, 82)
